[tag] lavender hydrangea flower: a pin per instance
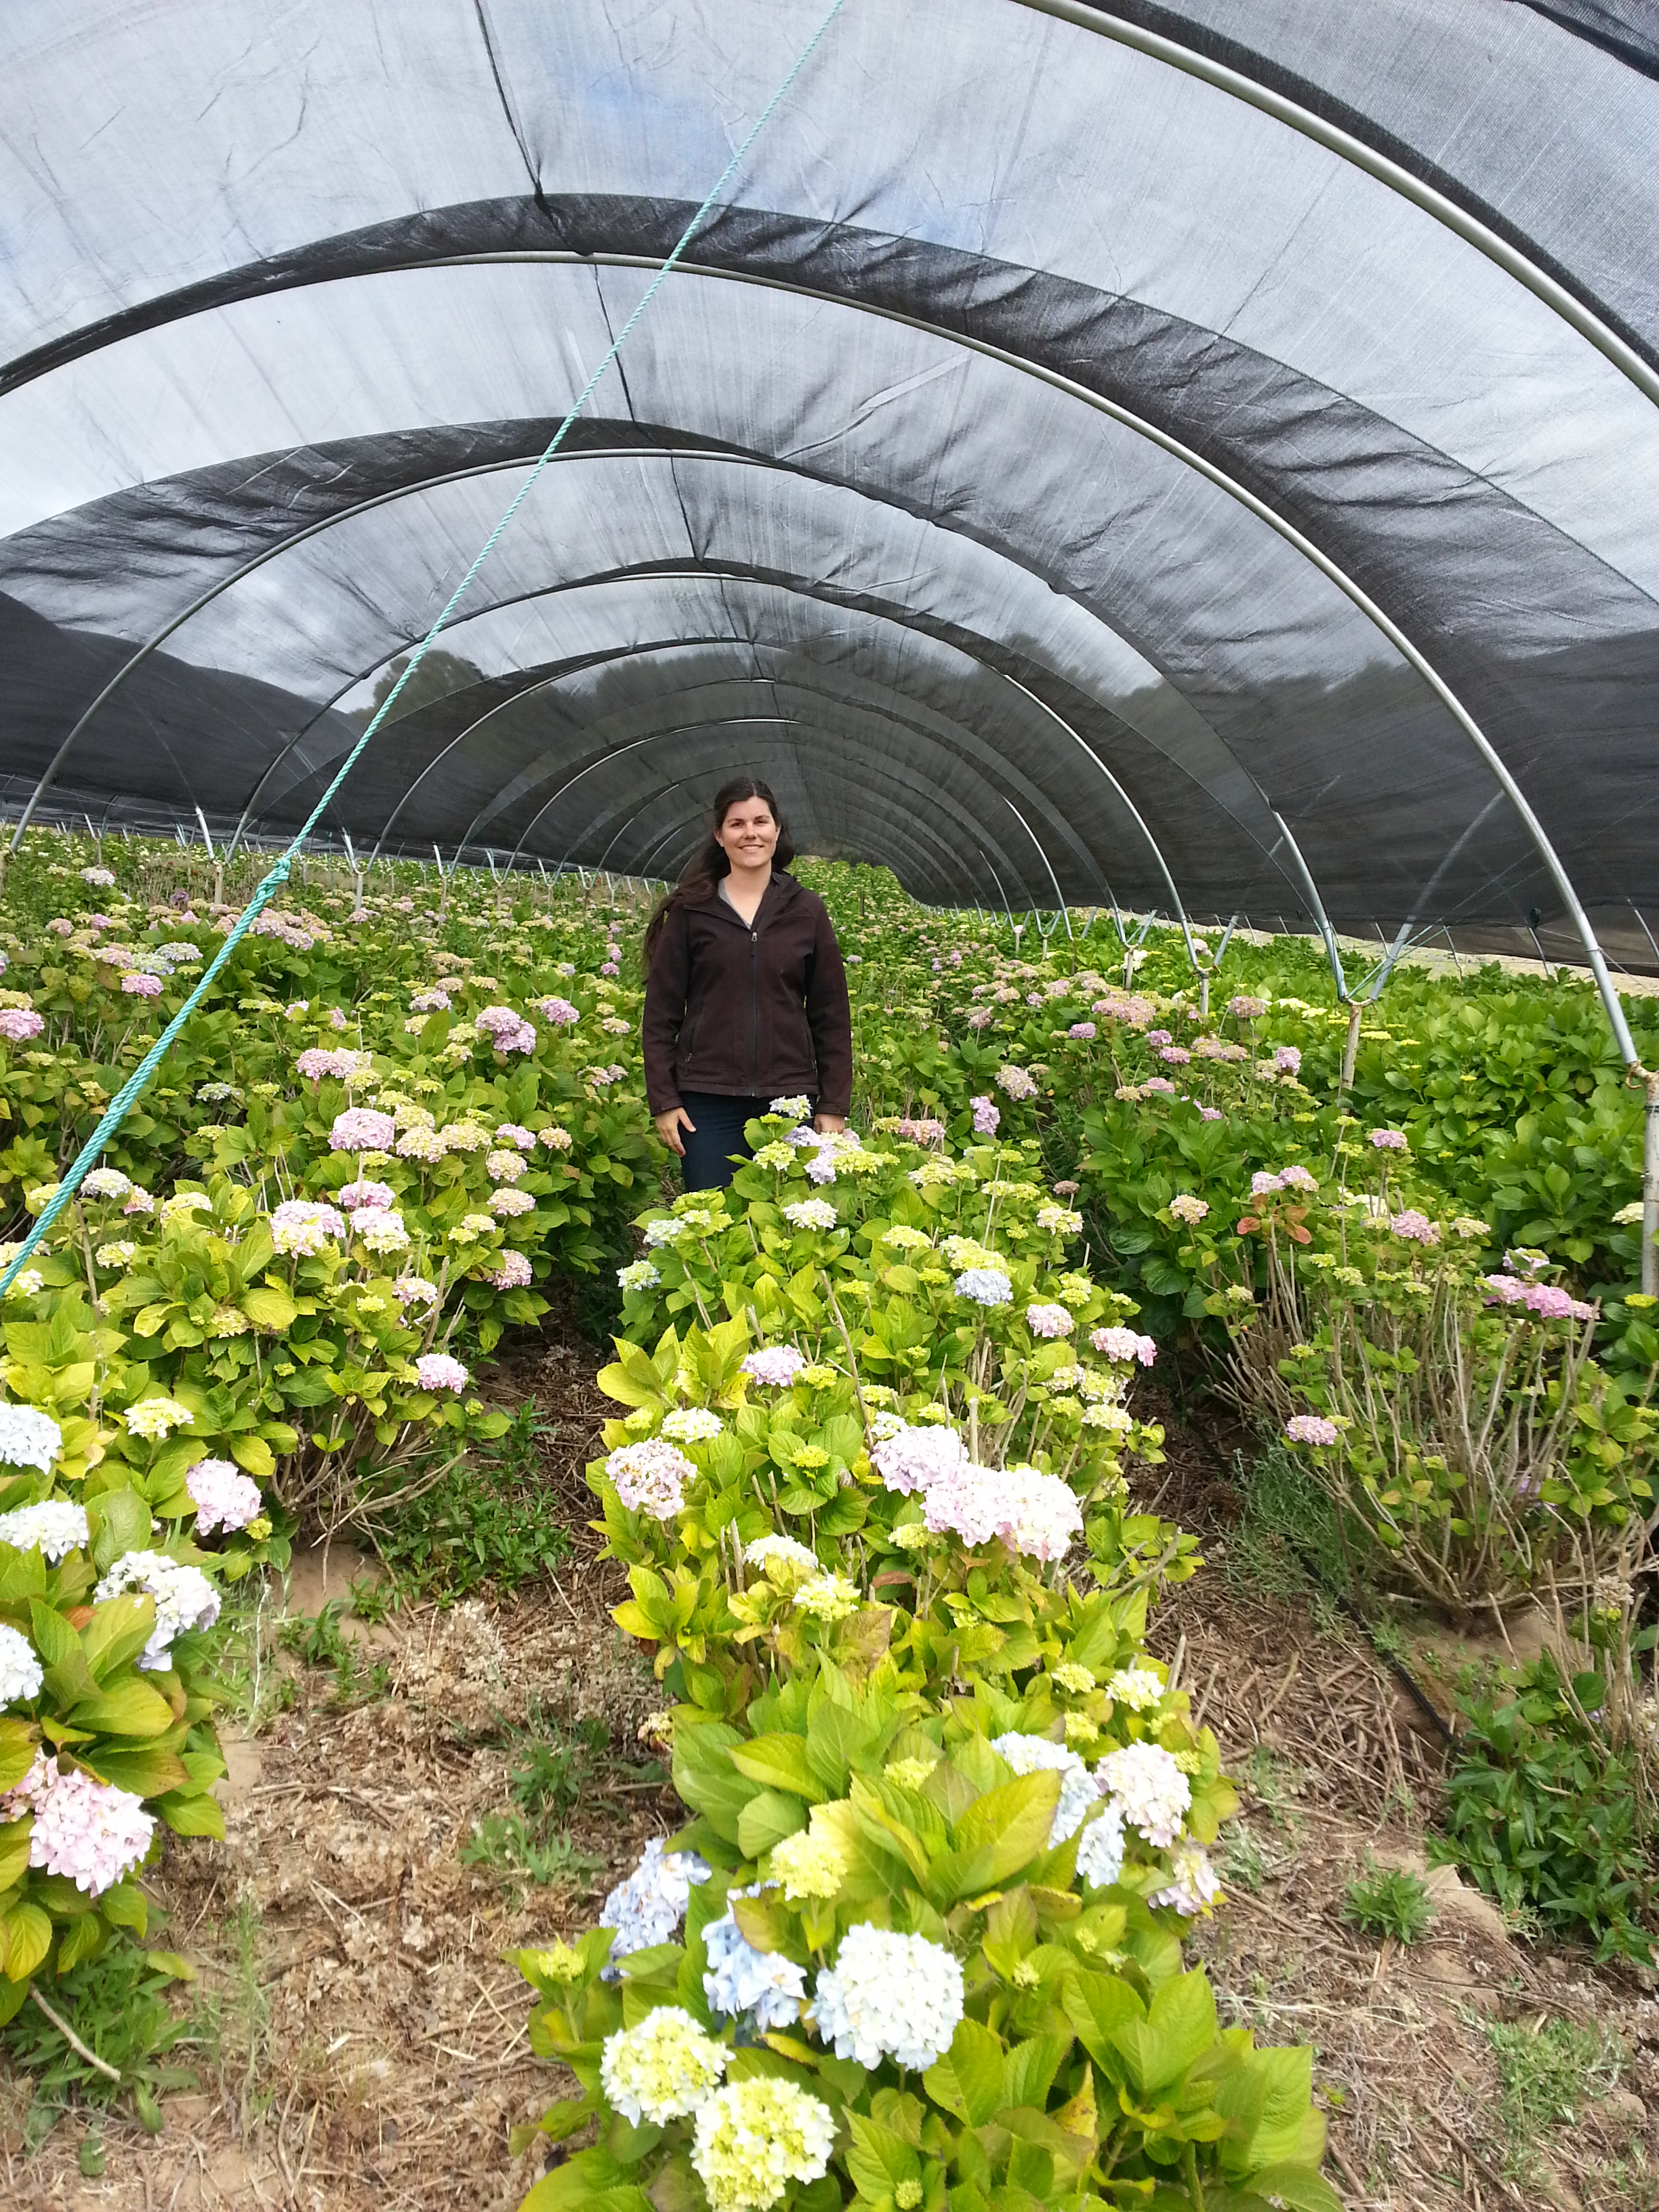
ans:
(984, 1286)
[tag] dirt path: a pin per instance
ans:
(365, 2042)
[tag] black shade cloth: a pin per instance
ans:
(1056, 473)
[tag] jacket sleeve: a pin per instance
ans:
(830, 1019)
(665, 1009)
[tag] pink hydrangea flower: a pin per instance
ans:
(1263, 1180)
(1161, 1084)
(87, 1830)
(361, 1129)
(774, 1365)
(433, 999)
(513, 1273)
(510, 1133)
(1310, 1429)
(137, 985)
(1297, 1177)
(1033, 1513)
(436, 1370)
(1416, 1228)
(18, 1023)
(1049, 1321)
(559, 1012)
(1124, 1344)
(915, 1458)
(987, 1116)
(1287, 1060)
(1389, 1140)
(301, 1227)
(225, 1497)
(1247, 1010)
(650, 1477)
(360, 1194)
(1084, 1032)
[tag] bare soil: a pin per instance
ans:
(366, 2030)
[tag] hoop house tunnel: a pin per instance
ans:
(1197, 455)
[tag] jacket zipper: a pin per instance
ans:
(754, 1005)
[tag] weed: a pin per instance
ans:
(504, 1843)
(1273, 1783)
(1243, 1863)
(117, 2005)
(1287, 1542)
(256, 1690)
(485, 1524)
(235, 2018)
(374, 1598)
(1547, 2073)
(553, 1774)
(321, 1643)
(1388, 1901)
(1547, 1818)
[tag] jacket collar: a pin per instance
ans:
(778, 893)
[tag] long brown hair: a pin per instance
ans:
(709, 863)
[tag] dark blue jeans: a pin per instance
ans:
(708, 1165)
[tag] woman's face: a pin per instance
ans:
(748, 835)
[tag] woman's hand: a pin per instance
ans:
(669, 1126)
(828, 1124)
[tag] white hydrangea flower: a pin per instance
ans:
(28, 1437)
(21, 1672)
(184, 1597)
(781, 1558)
(638, 1275)
(1078, 1791)
(1195, 1885)
(754, 2137)
(54, 1528)
(1100, 1848)
(889, 1995)
(662, 2070)
(1137, 1688)
(691, 1425)
(811, 1213)
(1146, 1784)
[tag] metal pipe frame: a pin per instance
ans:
(913, 834)
(441, 477)
(972, 748)
(1326, 565)
(799, 588)
(885, 763)
(1399, 179)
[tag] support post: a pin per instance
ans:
(1651, 1193)
(1351, 1049)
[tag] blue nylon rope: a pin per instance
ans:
(133, 1088)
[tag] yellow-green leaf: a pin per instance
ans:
(29, 1939)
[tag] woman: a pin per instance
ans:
(746, 995)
